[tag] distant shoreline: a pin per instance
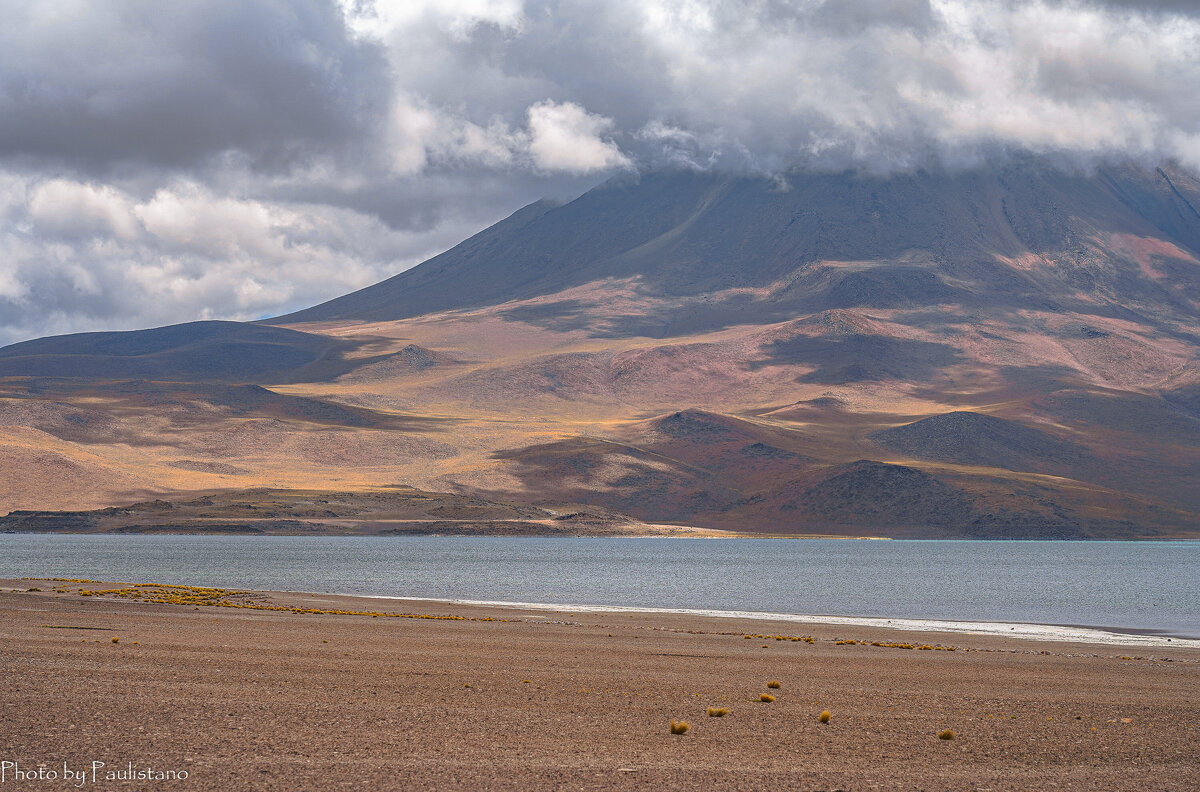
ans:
(1031, 631)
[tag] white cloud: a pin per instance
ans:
(566, 137)
(60, 207)
(117, 261)
(380, 18)
(560, 138)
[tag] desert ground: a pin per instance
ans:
(304, 691)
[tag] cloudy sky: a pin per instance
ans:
(162, 162)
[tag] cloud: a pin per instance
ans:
(95, 85)
(566, 137)
(81, 255)
(163, 161)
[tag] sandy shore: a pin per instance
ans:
(253, 698)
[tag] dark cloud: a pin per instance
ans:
(849, 17)
(1184, 7)
(174, 84)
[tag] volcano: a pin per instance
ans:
(1003, 351)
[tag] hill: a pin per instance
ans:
(1003, 351)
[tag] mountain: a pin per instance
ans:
(968, 238)
(1004, 351)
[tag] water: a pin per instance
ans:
(1140, 587)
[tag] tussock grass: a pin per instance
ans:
(680, 727)
(805, 638)
(116, 639)
(766, 698)
(717, 712)
(197, 596)
(774, 683)
(825, 716)
(946, 734)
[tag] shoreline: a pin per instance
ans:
(1019, 631)
(660, 531)
(1031, 631)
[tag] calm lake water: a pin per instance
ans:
(1138, 586)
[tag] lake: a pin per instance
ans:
(1141, 587)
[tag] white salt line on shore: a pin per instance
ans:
(1031, 632)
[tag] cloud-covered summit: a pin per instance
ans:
(162, 162)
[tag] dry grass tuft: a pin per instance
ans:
(774, 683)
(825, 716)
(116, 639)
(946, 735)
(717, 712)
(680, 727)
(766, 698)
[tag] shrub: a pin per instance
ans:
(946, 734)
(774, 683)
(680, 727)
(825, 716)
(766, 698)
(717, 712)
(116, 639)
